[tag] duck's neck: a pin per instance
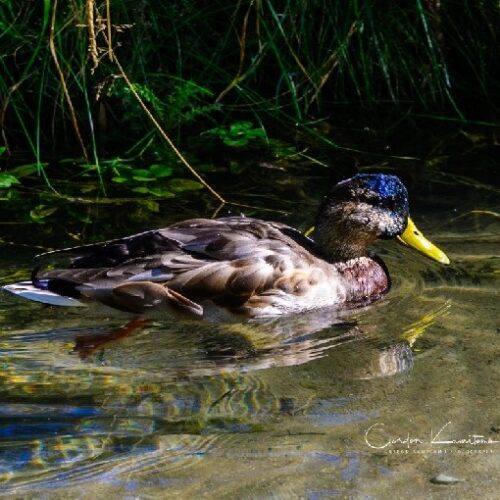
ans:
(340, 242)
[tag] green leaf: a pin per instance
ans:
(90, 167)
(238, 134)
(159, 170)
(240, 127)
(6, 180)
(218, 131)
(81, 216)
(41, 212)
(28, 169)
(151, 205)
(143, 179)
(119, 179)
(228, 141)
(180, 185)
(2, 150)
(283, 150)
(88, 188)
(161, 193)
(140, 172)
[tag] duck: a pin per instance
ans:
(242, 266)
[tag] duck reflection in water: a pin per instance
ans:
(364, 351)
(147, 393)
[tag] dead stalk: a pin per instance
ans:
(53, 52)
(91, 33)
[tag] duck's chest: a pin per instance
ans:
(358, 281)
(362, 280)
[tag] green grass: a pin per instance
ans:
(201, 65)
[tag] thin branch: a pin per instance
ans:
(108, 24)
(163, 133)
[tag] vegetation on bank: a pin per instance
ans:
(123, 98)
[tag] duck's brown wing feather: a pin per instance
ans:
(227, 238)
(115, 252)
(225, 260)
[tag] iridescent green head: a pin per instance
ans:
(366, 207)
(377, 203)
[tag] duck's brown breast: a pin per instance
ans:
(364, 279)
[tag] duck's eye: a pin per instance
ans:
(390, 203)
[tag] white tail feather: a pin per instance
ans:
(26, 290)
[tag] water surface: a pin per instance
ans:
(368, 403)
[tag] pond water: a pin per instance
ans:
(369, 403)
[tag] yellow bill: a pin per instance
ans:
(412, 237)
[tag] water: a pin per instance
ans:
(369, 403)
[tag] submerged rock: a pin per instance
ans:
(445, 479)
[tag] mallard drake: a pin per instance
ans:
(242, 265)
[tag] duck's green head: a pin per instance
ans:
(364, 208)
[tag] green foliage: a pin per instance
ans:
(238, 134)
(222, 67)
(40, 213)
(185, 102)
(154, 180)
(7, 180)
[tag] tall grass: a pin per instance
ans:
(197, 64)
